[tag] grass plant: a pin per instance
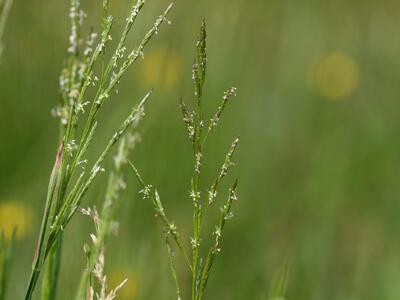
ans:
(67, 188)
(199, 263)
(89, 67)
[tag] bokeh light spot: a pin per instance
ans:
(17, 215)
(162, 67)
(335, 75)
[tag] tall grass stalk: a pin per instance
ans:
(5, 7)
(67, 188)
(200, 263)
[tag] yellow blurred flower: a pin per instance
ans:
(335, 75)
(162, 67)
(17, 215)
(130, 289)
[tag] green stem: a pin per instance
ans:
(32, 282)
(51, 271)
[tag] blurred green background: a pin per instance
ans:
(317, 111)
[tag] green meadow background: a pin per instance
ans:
(318, 113)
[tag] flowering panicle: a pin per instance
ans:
(198, 264)
(76, 109)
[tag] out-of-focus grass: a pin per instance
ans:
(318, 172)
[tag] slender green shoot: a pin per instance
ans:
(5, 7)
(6, 253)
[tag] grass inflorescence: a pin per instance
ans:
(67, 188)
(199, 264)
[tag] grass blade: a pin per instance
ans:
(279, 283)
(5, 7)
(6, 253)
